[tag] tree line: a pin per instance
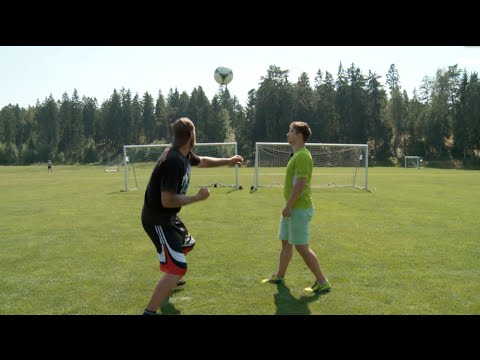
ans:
(440, 122)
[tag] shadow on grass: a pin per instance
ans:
(168, 308)
(287, 304)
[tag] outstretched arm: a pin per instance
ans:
(206, 161)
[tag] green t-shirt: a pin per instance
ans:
(299, 166)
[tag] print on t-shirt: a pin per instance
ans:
(186, 180)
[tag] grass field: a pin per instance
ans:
(71, 242)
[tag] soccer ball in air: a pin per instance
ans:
(223, 75)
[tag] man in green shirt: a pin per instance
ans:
(294, 229)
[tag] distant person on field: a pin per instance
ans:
(297, 213)
(165, 195)
(49, 165)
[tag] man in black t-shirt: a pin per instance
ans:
(165, 195)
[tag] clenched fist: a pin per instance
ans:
(203, 193)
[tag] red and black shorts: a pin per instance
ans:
(172, 242)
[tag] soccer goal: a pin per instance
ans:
(114, 165)
(413, 162)
(334, 165)
(140, 160)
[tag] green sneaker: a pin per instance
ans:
(317, 287)
(274, 280)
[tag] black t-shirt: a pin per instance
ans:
(171, 173)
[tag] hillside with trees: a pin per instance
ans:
(441, 122)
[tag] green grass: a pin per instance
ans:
(71, 242)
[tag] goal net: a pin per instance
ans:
(114, 165)
(413, 162)
(140, 160)
(334, 165)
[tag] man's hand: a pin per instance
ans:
(236, 160)
(287, 211)
(203, 193)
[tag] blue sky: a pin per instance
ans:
(28, 73)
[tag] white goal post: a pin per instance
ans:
(139, 161)
(413, 162)
(334, 165)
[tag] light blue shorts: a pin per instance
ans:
(296, 228)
